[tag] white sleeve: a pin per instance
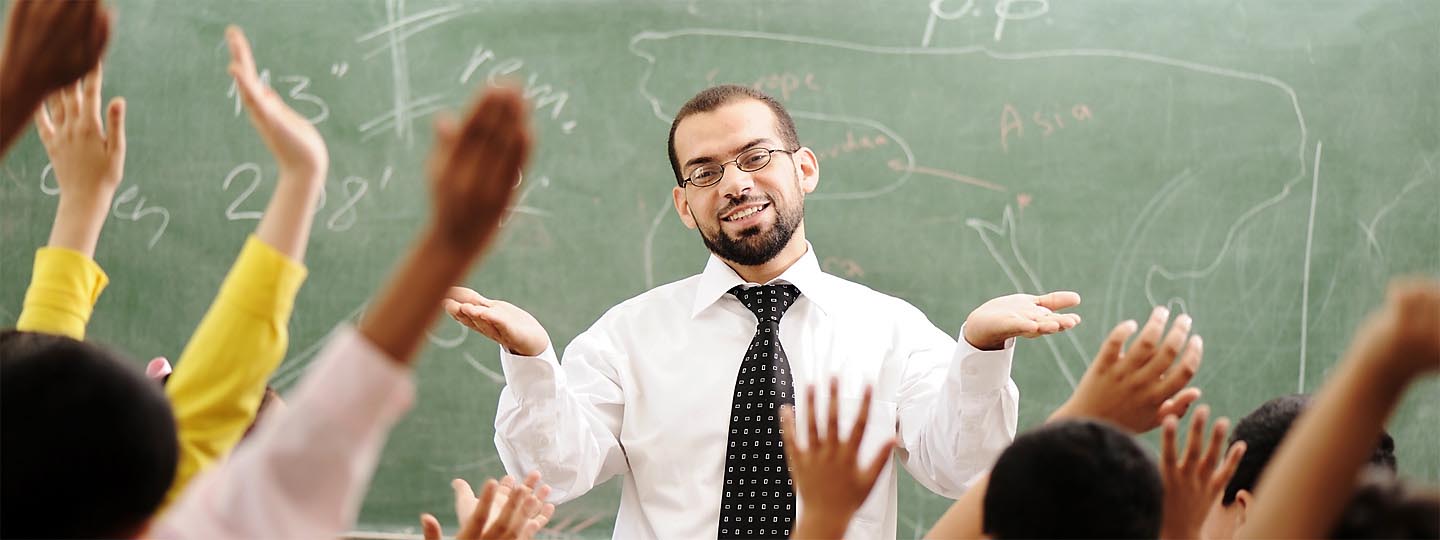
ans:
(563, 421)
(958, 410)
(304, 473)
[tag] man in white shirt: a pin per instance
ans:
(678, 389)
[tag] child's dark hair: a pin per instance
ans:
(1074, 479)
(89, 442)
(1264, 428)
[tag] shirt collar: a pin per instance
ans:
(805, 274)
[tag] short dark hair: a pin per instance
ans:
(1385, 507)
(1074, 479)
(1264, 428)
(715, 97)
(89, 442)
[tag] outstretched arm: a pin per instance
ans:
(219, 379)
(343, 410)
(1135, 389)
(1312, 475)
(88, 158)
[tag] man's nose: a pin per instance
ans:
(736, 184)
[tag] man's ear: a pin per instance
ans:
(682, 207)
(809, 167)
(1243, 500)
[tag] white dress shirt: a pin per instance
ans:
(646, 393)
(304, 472)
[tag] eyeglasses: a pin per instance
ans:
(750, 160)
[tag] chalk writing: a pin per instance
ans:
(852, 144)
(784, 83)
(232, 212)
(540, 94)
(140, 211)
(1012, 123)
(297, 85)
(1005, 11)
(132, 193)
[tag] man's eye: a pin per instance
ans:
(704, 175)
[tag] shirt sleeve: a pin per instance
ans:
(220, 377)
(958, 409)
(63, 290)
(305, 474)
(562, 421)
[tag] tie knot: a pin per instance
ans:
(767, 302)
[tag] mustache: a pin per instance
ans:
(736, 203)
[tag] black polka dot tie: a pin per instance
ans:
(759, 497)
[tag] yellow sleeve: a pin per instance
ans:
(62, 294)
(220, 377)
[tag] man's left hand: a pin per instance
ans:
(1020, 315)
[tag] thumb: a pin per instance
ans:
(462, 489)
(466, 295)
(430, 527)
(116, 114)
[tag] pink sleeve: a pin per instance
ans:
(304, 474)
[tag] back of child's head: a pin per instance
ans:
(89, 442)
(1264, 428)
(1074, 479)
(1383, 506)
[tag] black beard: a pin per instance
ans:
(753, 247)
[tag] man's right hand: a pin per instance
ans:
(513, 328)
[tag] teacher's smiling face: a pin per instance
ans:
(744, 186)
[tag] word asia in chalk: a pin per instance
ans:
(1012, 123)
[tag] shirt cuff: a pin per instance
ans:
(530, 377)
(64, 287)
(982, 371)
(263, 281)
(355, 386)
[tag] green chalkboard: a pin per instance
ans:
(1265, 166)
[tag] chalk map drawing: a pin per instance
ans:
(998, 236)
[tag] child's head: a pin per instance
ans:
(1385, 507)
(1074, 479)
(1262, 430)
(89, 442)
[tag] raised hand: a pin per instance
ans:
(1404, 334)
(48, 46)
(1020, 315)
(1137, 388)
(88, 158)
(827, 470)
(297, 146)
(1194, 481)
(475, 166)
(504, 323)
(506, 511)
